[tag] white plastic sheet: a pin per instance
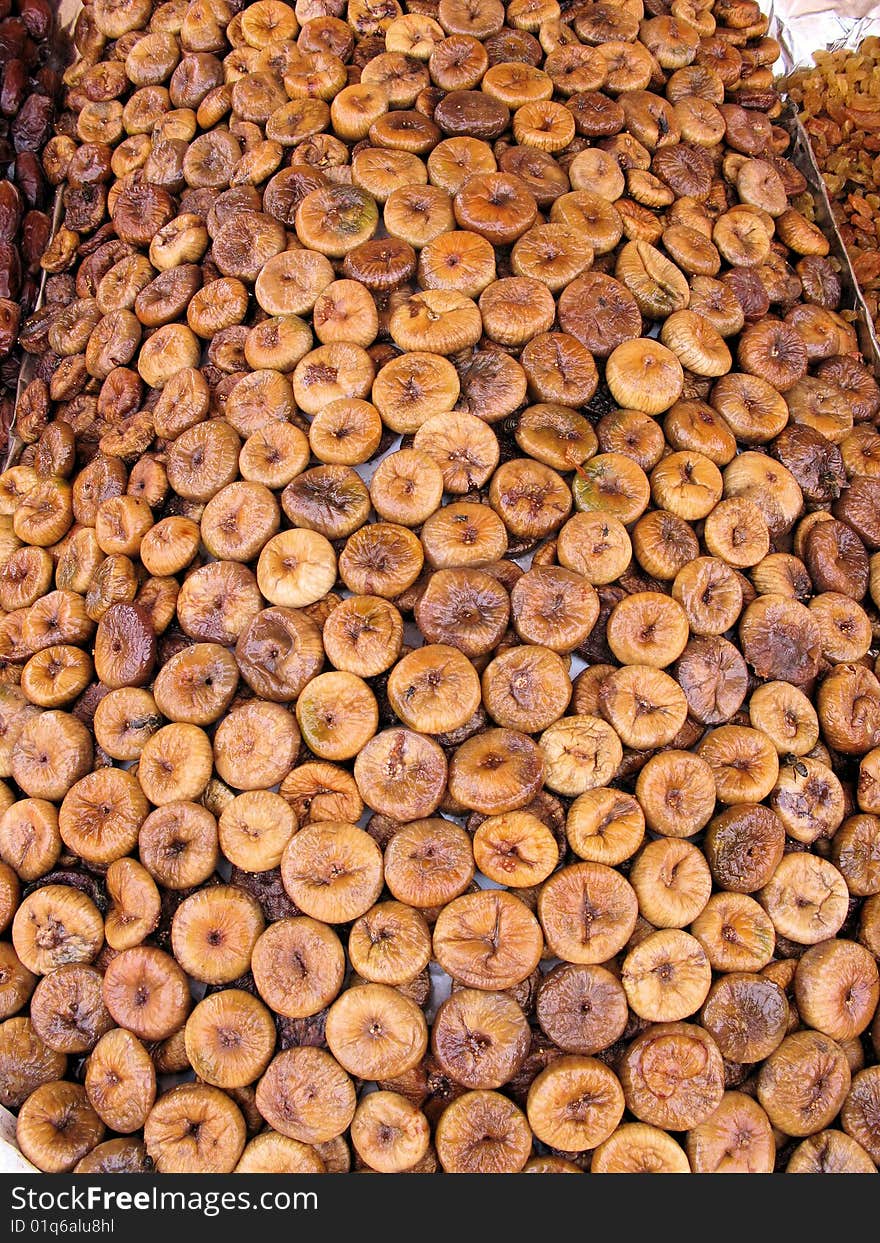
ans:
(803, 26)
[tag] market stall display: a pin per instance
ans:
(439, 583)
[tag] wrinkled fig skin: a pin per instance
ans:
(439, 590)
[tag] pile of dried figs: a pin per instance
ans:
(439, 723)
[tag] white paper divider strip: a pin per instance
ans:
(11, 1160)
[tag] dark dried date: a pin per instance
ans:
(14, 87)
(32, 124)
(10, 211)
(13, 37)
(30, 179)
(33, 56)
(36, 229)
(10, 313)
(10, 271)
(38, 18)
